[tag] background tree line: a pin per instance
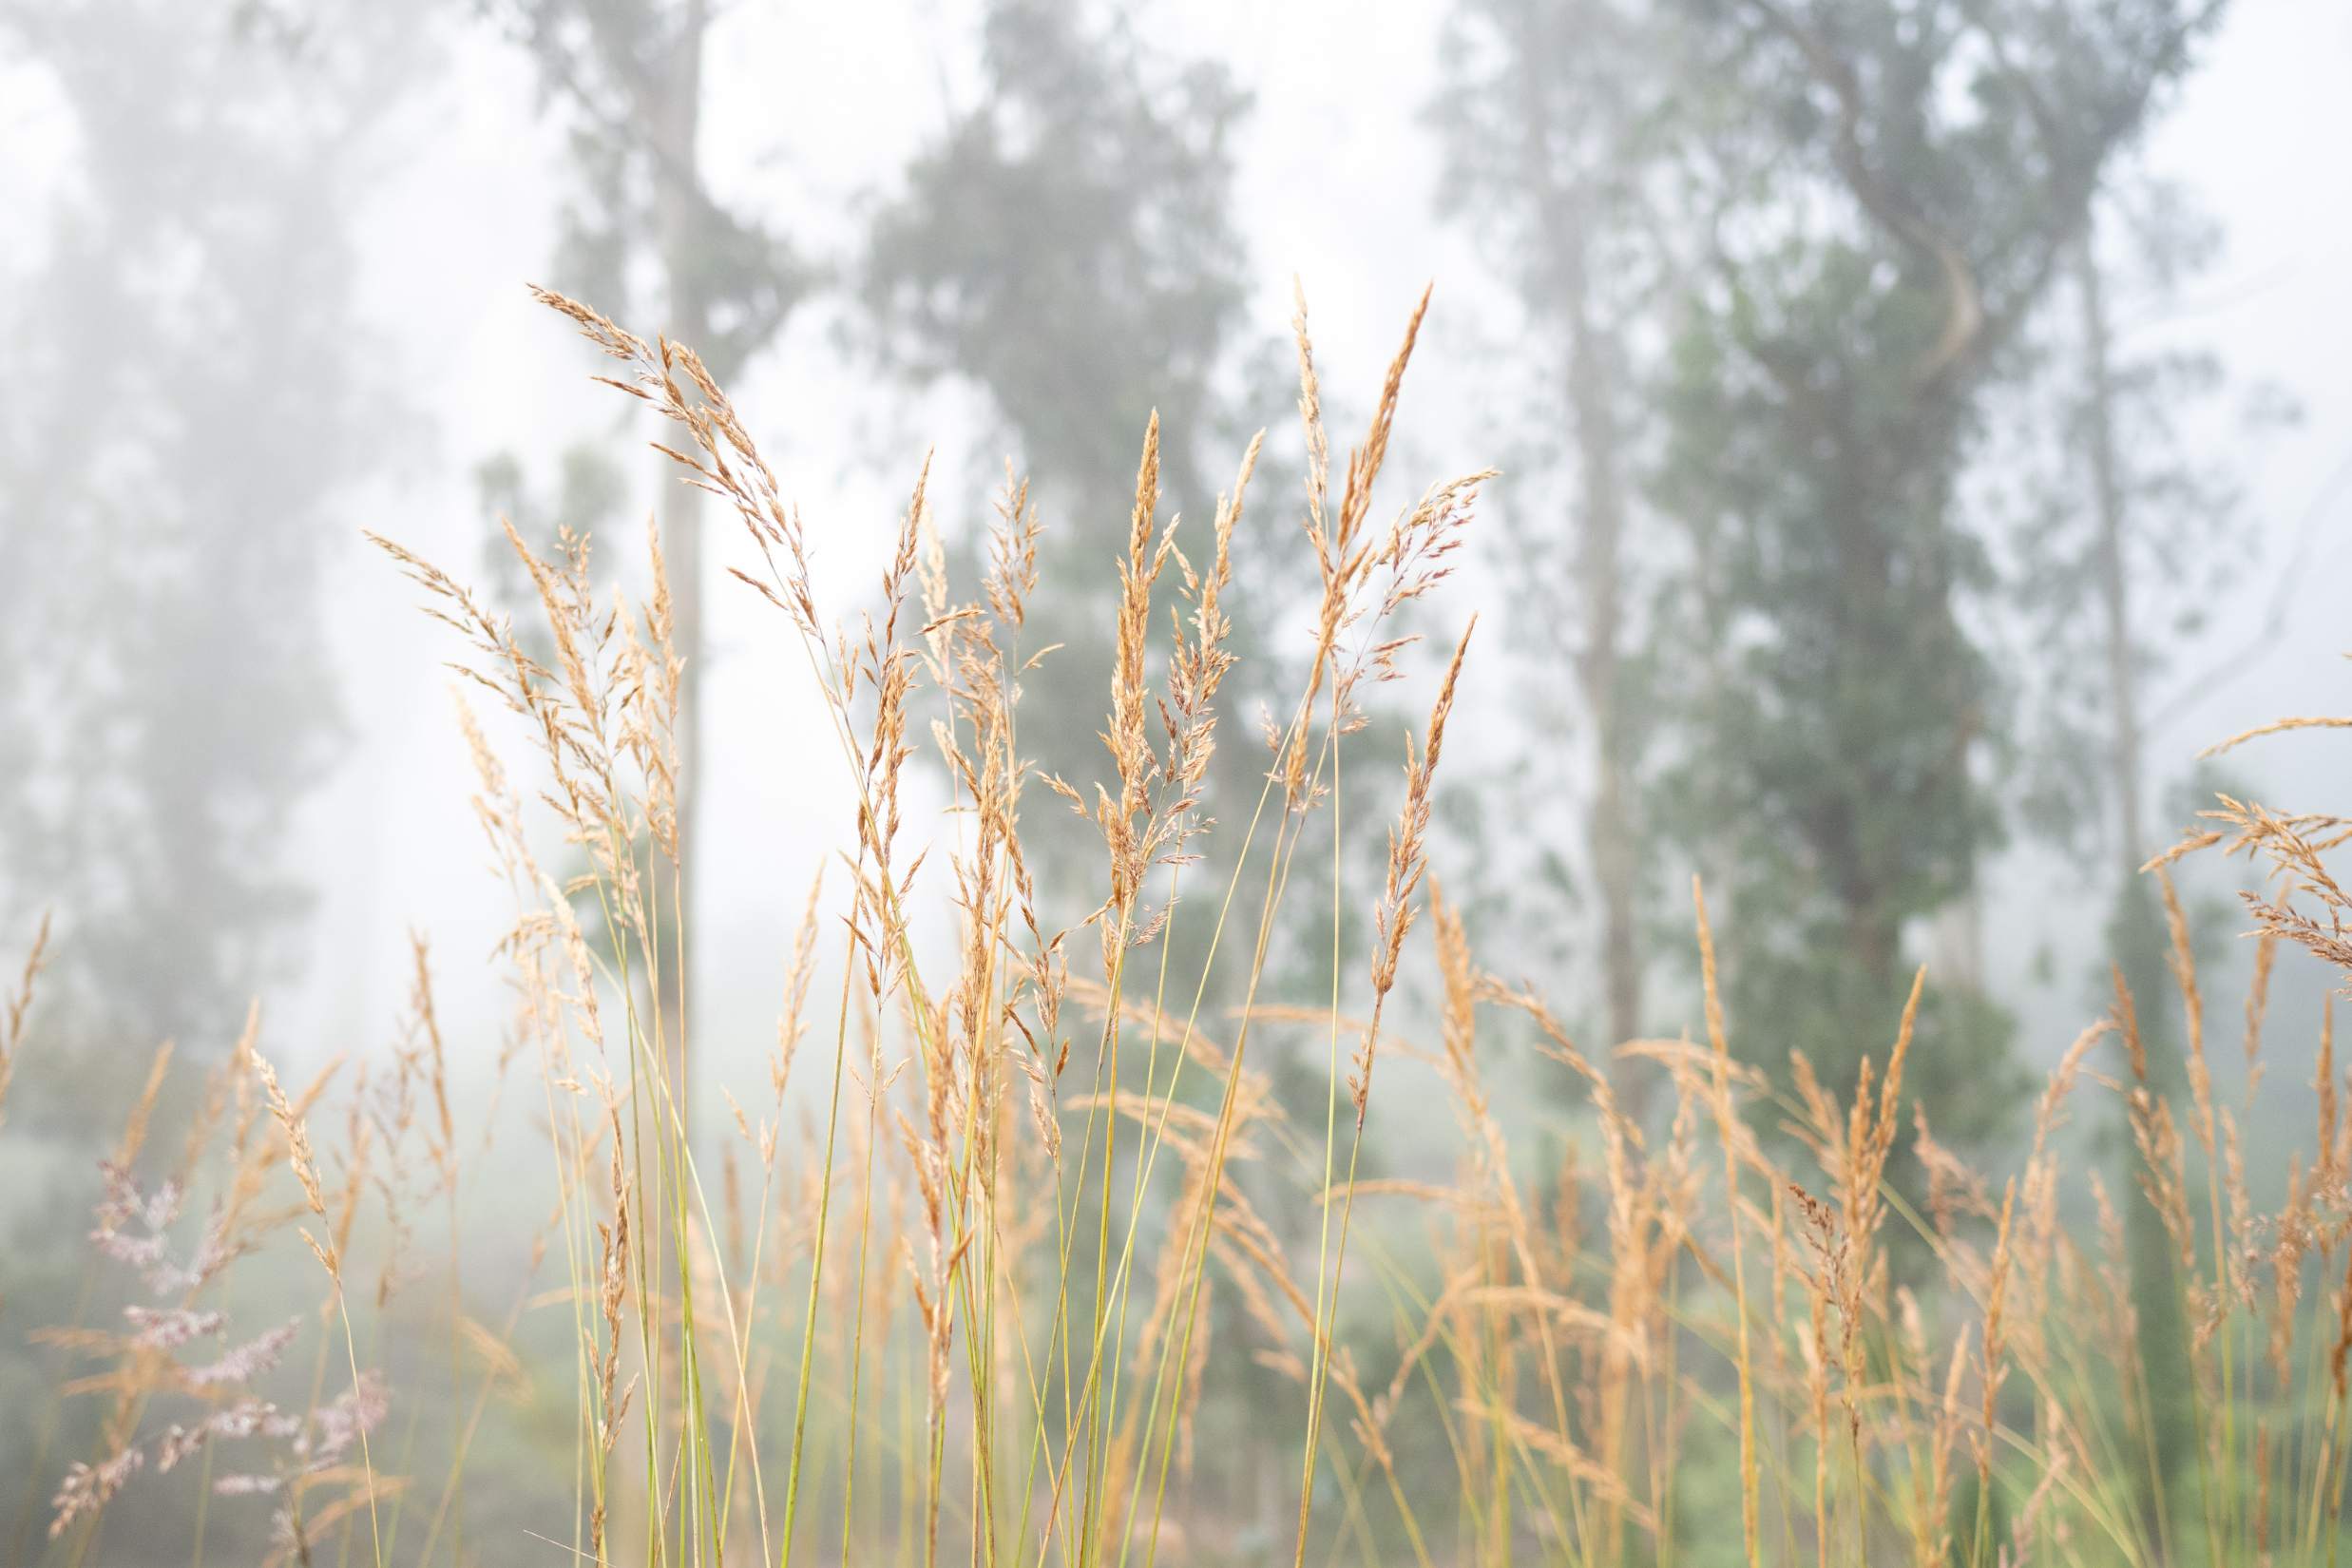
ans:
(1844, 545)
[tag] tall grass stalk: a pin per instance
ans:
(994, 1325)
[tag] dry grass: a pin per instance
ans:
(958, 1298)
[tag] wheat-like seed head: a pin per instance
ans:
(305, 1165)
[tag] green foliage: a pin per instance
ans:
(1068, 246)
(1900, 190)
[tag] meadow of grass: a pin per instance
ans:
(1017, 1201)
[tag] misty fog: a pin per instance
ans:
(265, 273)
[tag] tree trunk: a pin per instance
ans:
(1593, 355)
(2115, 587)
(678, 121)
(2136, 934)
(1610, 830)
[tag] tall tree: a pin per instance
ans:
(627, 75)
(1927, 170)
(2123, 513)
(1067, 245)
(191, 394)
(1547, 116)
(2129, 521)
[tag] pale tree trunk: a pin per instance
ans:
(2114, 586)
(1956, 941)
(1595, 354)
(1609, 832)
(677, 116)
(2137, 932)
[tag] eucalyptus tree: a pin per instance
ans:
(627, 79)
(1910, 184)
(192, 391)
(1065, 245)
(1556, 119)
(195, 389)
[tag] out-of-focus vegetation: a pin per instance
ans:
(1846, 542)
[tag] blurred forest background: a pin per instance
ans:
(1924, 425)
